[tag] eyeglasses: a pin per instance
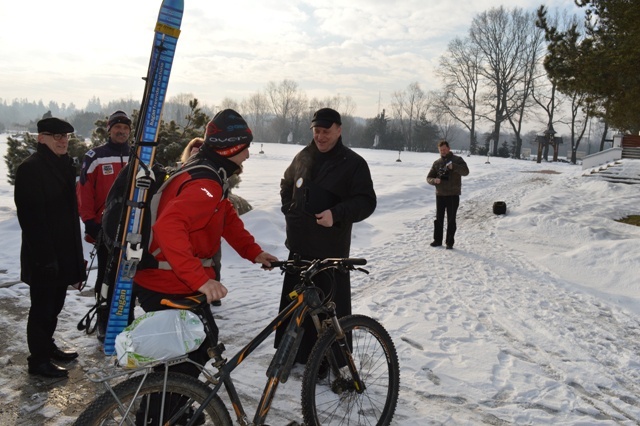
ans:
(56, 136)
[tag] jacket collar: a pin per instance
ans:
(122, 148)
(51, 156)
(330, 154)
(219, 161)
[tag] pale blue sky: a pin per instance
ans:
(71, 50)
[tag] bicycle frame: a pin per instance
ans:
(307, 302)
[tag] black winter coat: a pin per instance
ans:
(339, 180)
(45, 198)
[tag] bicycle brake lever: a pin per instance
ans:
(362, 270)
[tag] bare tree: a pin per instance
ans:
(545, 90)
(177, 108)
(580, 116)
(498, 35)
(459, 70)
(407, 108)
(446, 124)
(520, 101)
(255, 109)
(343, 104)
(299, 123)
(228, 103)
(285, 101)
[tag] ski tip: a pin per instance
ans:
(174, 4)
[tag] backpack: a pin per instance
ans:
(117, 201)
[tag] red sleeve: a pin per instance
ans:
(237, 236)
(86, 194)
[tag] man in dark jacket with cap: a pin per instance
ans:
(51, 256)
(326, 189)
(100, 167)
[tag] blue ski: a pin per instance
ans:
(164, 45)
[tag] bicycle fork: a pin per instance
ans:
(343, 347)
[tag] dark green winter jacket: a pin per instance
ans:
(450, 179)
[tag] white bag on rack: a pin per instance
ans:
(158, 336)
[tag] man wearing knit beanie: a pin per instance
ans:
(227, 134)
(194, 213)
(118, 117)
(100, 167)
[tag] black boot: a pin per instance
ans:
(437, 233)
(48, 369)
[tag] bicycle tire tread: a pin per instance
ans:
(177, 383)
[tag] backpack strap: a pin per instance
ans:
(197, 170)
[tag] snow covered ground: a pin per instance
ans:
(531, 319)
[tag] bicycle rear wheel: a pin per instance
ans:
(330, 397)
(133, 407)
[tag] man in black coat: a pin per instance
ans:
(51, 256)
(325, 190)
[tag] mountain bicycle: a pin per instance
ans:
(352, 375)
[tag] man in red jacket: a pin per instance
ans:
(193, 215)
(100, 167)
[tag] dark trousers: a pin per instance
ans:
(150, 302)
(341, 296)
(46, 303)
(446, 204)
(103, 256)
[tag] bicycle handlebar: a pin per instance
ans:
(305, 264)
(309, 268)
(306, 268)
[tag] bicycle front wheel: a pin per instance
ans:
(139, 404)
(329, 392)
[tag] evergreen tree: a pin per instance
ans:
(84, 122)
(426, 135)
(603, 62)
(504, 150)
(18, 149)
(375, 132)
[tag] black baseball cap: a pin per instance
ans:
(325, 117)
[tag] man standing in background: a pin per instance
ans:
(100, 167)
(446, 175)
